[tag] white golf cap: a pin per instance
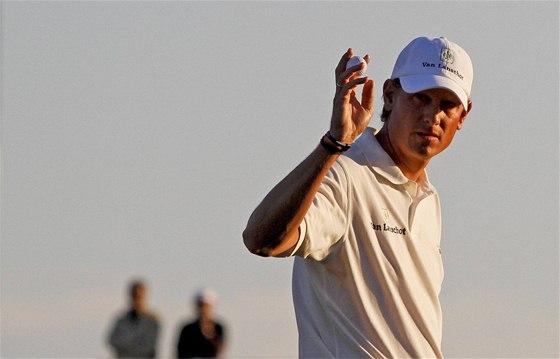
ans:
(427, 63)
(205, 295)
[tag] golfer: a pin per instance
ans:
(360, 215)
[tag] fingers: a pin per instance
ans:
(348, 75)
(367, 95)
(341, 67)
(351, 85)
(350, 116)
(343, 75)
(339, 77)
(347, 94)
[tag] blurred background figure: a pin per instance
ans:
(204, 337)
(135, 333)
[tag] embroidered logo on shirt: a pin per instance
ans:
(385, 214)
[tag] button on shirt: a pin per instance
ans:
(368, 268)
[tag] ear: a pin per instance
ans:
(464, 116)
(389, 90)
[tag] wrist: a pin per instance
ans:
(333, 145)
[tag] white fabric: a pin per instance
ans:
(368, 268)
(427, 63)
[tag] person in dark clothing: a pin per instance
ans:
(204, 337)
(135, 332)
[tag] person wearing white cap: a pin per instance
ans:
(361, 217)
(205, 336)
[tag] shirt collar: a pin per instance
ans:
(380, 162)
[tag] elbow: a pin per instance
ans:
(267, 245)
(253, 244)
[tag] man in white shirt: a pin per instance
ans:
(364, 222)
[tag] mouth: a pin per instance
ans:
(428, 136)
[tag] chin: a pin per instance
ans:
(426, 152)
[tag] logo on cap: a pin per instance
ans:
(447, 55)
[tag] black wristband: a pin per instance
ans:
(343, 146)
(332, 145)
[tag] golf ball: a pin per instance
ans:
(355, 60)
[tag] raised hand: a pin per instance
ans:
(350, 117)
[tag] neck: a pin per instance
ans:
(139, 308)
(410, 167)
(205, 319)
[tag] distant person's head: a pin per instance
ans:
(137, 292)
(204, 301)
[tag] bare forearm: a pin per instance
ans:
(273, 228)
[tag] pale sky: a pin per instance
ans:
(137, 138)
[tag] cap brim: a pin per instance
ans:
(417, 83)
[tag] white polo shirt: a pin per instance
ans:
(368, 268)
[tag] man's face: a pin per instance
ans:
(422, 124)
(139, 297)
(205, 310)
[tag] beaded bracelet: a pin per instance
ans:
(333, 145)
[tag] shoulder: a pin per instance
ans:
(124, 316)
(190, 325)
(152, 317)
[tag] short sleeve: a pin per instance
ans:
(326, 221)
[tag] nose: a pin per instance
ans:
(433, 116)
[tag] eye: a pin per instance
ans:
(422, 98)
(446, 104)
